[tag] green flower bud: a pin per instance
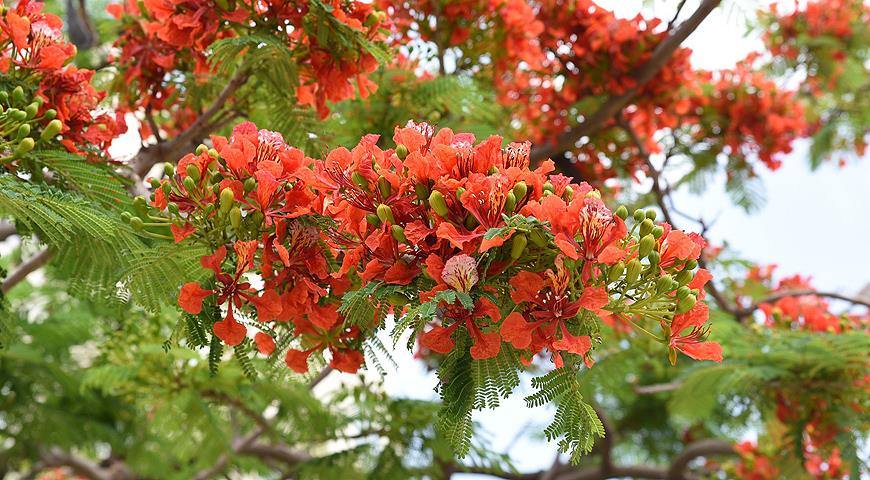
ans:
(23, 131)
(422, 191)
(616, 271)
(24, 146)
(401, 152)
(208, 209)
(193, 172)
(646, 227)
(18, 96)
(538, 238)
(31, 110)
(189, 184)
(51, 130)
(569, 193)
(646, 245)
(459, 192)
(126, 216)
(493, 170)
(385, 213)
(665, 284)
(17, 115)
(510, 203)
(140, 205)
(594, 194)
(397, 299)
(359, 180)
(548, 187)
(384, 187)
(4, 95)
(621, 212)
(236, 218)
(227, 200)
(168, 169)
(213, 153)
(686, 303)
(658, 231)
(137, 223)
(691, 265)
(398, 233)
(250, 184)
(167, 188)
(257, 218)
(373, 219)
(201, 149)
(651, 214)
(632, 271)
(436, 201)
(520, 190)
(654, 258)
(173, 208)
(639, 215)
(684, 277)
(155, 184)
(470, 222)
(518, 245)
(683, 292)
(49, 114)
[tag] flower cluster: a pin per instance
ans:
(33, 61)
(463, 240)
(758, 465)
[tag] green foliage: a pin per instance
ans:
(95, 181)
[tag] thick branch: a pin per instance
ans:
(112, 470)
(745, 312)
(701, 448)
(660, 57)
(185, 142)
(7, 230)
(25, 269)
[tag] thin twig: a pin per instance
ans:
(25, 269)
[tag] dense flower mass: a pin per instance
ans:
(35, 57)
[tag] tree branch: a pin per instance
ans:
(7, 230)
(660, 56)
(654, 174)
(745, 312)
(25, 269)
(170, 150)
(700, 448)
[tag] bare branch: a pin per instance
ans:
(700, 448)
(745, 312)
(657, 388)
(655, 175)
(25, 269)
(319, 378)
(7, 230)
(613, 105)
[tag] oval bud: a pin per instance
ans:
(168, 169)
(155, 184)
(686, 303)
(385, 213)
(548, 187)
(359, 180)
(493, 170)
(436, 201)
(459, 192)
(422, 191)
(51, 130)
(137, 223)
(250, 184)
(213, 153)
(682, 292)
(664, 284)
(398, 233)
(23, 131)
(651, 214)
(691, 265)
(621, 212)
(49, 114)
(658, 231)
(646, 227)
(654, 258)
(17, 115)
(520, 190)
(401, 152)
(638, 216)
(594, 194)
(193, 172)
(684, 277)
(646, 245)
(31, 110)
(373, 219)
(24, 147)
(126, 216)
(518, 245)
(189, 184)
(236, 218)
(510, 203)
(569, 193)
(632, 271)
(538, 238)
(384, 187)
(616, 271)
(18, 96)
(227, 200)
(201, 149)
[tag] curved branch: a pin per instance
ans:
(7, 230)
(745, 312)
(660, 56)
(700, 448)
(25, 269)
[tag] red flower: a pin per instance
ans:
(692, 344)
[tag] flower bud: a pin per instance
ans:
(621, 212)
(672, 355)
(168, 169)
(126, 216)
(548, 187)
(398, 233)
(18, 96)
(518, 245)
(250, 184)
(510, 203)
(436, 201)
(638, 216)
(651, 214)
(201, 149)
(227, 200)
(23, 131)
(193, 172)
(173, 208)
(137, 223)
(654, 258)
(470, 222)
(31, 110)
(493, 170)
(236, 218)
(665, 284)
(213, 153)
(683, 292)
(658, 231)
(155, 184)
(384, 187)
(569, 193)
(632, 271)
(24, 147)
(373, 219)
(4, 95)
(616, 271)
(359, 180)
(397, 299)
(520, 190)
(385, 213)
(49, 114)
(459, 192)
(593, 194)
(538, 238)
(209, 208)
(646, 245)
(401, 152)
(691, 265)
(684, 277)
(17, 115)
(686, 303)
(51, 130)
(646, 227)
(422, 191)
(189, 184)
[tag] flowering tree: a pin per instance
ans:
(316, 185)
